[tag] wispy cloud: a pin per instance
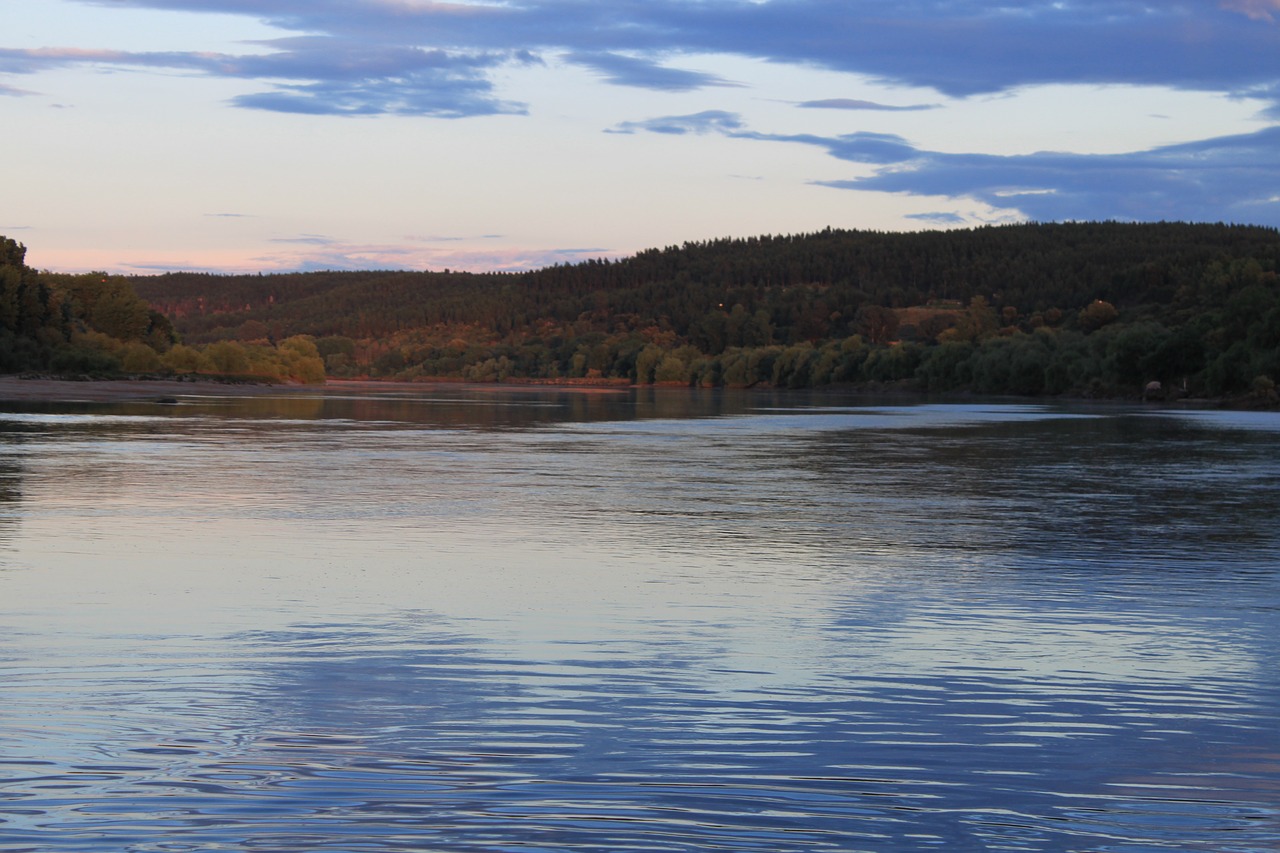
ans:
(855, 104)
(154, 267)
(314, 253)
(1259, 10)
(307, 240)
(939, 218)
(708, 121)
(644, 73)
(450, 238)
(1231, 178)
(339, 76)
(321, 76)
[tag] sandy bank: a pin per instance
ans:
(45, 389)
(16, 388)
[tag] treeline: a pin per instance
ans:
(72, 324)
(1093, 308)
(96, 325)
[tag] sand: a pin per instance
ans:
(46, 389)
(16, 388)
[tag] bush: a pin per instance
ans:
(137, 357)
(84, 360)
(183, 359)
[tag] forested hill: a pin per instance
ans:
(800, 280)
(1038, 308)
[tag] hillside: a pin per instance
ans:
(1042, 308)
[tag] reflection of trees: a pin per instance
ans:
(10, 487)
(1125, 486)
(516, 407)
(477, 407)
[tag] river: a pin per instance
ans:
(494, 619)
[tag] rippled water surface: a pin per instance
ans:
(532, 620)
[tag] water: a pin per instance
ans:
(462, 620)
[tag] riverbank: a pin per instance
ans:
(17, 388)
(52, 390)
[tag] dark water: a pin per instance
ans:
(540, 621)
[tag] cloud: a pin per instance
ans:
(854, 104)
(339, 76)
(939, 218)
(633, 71)
(1270, 94)
(707, 121)
(1231, 178)
(448, 238)
(155, 267)
(863, 147)
(444, 59)
(314, 253)
(318, 253)
(321, 76)
(1258, 10)
(377, 57)
(307, 240)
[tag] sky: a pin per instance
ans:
(141, 136)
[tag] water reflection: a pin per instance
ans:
(447, 407)
(412, 733)
(480, 620)
(10, 486)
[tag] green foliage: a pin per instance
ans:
(32, 318)
(228, 357)
(84, 360)
(183, 359)
(89, 324)
(1076, 308)
(300, 360)
(1097, 314)
(877, 323)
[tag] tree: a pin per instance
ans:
(228, 357)
(121, 314)
(1096, 315)
(12, 253)
(976, 324)
(876, 323)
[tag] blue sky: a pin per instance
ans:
(229, 135)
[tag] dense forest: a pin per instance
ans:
(1082, 308)
(1105, 309)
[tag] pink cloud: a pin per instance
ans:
(310, 254)
(339, 255)
(1259, 10)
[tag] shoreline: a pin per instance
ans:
(15, 388)
(46, 389)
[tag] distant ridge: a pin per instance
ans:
(700, 302)
(1029, 266)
